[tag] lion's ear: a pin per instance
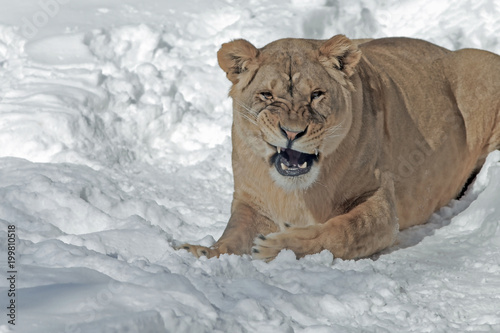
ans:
(340, 53)
(236, 58)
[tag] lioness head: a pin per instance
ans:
(291, 102)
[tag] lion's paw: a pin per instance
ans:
(199, 251)
(301, 241)
(267, 247)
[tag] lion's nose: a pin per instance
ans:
(292, 134)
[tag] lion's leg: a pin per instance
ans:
(243, 226)
(366, 229)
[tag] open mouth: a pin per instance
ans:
(292, 163)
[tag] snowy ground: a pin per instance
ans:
(115, 146)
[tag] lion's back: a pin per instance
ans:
(440, 107)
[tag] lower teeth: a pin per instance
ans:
(302, 166)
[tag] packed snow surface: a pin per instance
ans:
(115, 147)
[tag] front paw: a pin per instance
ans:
(199, 251)
(302, 241)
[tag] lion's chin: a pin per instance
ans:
(294, 183)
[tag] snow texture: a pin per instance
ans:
(115, 147)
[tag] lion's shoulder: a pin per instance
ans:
(408, 50)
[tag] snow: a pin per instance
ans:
(115, 147)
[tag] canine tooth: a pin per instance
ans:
(278, 149)
(316, 152)
(303, 165)
(284, 167)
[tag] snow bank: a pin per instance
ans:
(115, 146)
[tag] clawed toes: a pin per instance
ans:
(197, 250)
(264, 248)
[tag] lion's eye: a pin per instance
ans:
(266, 95)
(316, 94)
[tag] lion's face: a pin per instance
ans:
(291, 102)
(299, 118)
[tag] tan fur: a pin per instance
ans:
(398, 125)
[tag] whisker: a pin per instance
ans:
(250, 114)
(244, 106)
(332, 136)
(253, 121)
(319, 183)
(333, 131)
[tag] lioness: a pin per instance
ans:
(339, 144)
